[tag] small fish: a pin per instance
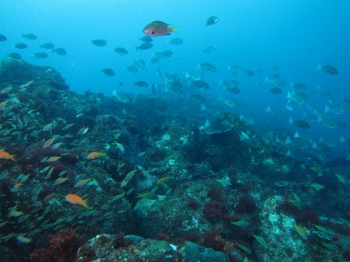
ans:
(121, 51)
(93, 155)
(200, 84)
(21, 46)
(3, 38)
(146, 39)
(82, 182)
(41, 55)
(176, 41)
(207, 67)
(82, 131)
(99, 42)
(141, 83)
(276, 90)
(300, 230)
(60, 181)
(53, 159)
(59, 51)
(132, 69)
(108, 72)
(158, 28)
(328, 69)
(117, 197)
(240, 223)
(6, 155)
(261, 241)
(212, 20)
(48, 127)
(76, 200)
(48, 46)
(162, 180)
(340, 178)
(301, 124)
(316, 169)
(144, 46)
(3, 104)
(15, 56)
(29, 36)
(48, 197)
(120, 147)
(48, 143)
(317, 186)
(225, 181)
(148, 195)
(24, 240)
(244, 248)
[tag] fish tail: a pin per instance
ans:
(173, 29)
(12, 157)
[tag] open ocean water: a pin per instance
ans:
(279, 68)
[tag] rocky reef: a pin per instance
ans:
(154, 185)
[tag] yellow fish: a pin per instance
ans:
(93, 155)
(6, 155)
(76, 200)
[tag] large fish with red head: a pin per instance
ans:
(158, 28)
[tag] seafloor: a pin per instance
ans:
(157, 185)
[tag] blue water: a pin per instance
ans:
(293, 36)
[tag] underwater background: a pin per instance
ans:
(230, 133)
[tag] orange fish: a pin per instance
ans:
(94, 155)
(158, 28)
(76, 200)
(6, 155)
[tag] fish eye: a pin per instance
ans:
(152, 32)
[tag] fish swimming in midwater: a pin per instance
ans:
(76, 200)
(158, 28)
(212, 20)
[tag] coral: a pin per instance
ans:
(214, 210)
(63, 247)
(193, 203)
(246, 205)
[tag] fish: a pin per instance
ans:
(328, 69)
(40, 55)
(148, 195)
(146, 39)
(82, 182)
(276, 90)
(200, 84)
(108, 72)
(212, 20)
(162, 180)
(15, 56)
(145, 46)
(76, 200)
(158, 28)
(48, 143)
(2, 38)
(3, 104)
(300, 230)
(244, 248)
(6, 155)
(48, 46)
(21, 46)
(207, 67)
(93, 155)
(240, 223)
(121, 51)
(59, 51)
(340, 178)
(99, 42)
(301, 124)
(82, 131)
(176, 41)
(261, 241)
(225, 181)
(317, 186)
(60, 180)
(29, 36)
(231, 86)
(24, 240)
(141, 83)
(132, 69)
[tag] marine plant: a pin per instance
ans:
(63, 247)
